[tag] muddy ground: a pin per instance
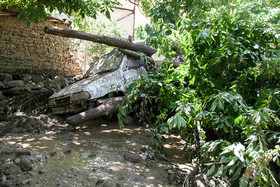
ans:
(40, 149)
(43, 150)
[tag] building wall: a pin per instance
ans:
(30, 50)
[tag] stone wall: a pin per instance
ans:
(30, 50)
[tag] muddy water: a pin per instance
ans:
(93, 155)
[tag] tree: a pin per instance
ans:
(37, 10)
(225, 97)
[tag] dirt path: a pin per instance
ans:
(94, 154)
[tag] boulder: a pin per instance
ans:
(15, 83)
(58, 83)
(6, 77)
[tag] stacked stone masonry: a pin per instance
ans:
(29, 50)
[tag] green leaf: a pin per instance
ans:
(158, 136)
(220, 171)
(238, 119)
(236, 174)
(108, 15)
(168, 8)
(211, 171)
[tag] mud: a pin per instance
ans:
(93, 154)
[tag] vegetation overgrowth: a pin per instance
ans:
(224, 98)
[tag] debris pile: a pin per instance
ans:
(28, 92)
(21, 122)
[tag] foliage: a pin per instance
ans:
(37, 10)
(94, 50)
(143, 32)
(224, 98)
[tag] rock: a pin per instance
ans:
(53, 154)
(15, 83)
(11, 168)
(28, 87)
(38, 86)
(17, 160)
(60, 82)
(2, 96)
(37, 78)
(170, 171)
(143, 149)
(2, 85)
(44, 90)
(23, 152)
(99, 181)
(92, 155)
(132, 157)
(6, 77)
(26, 78)
(171, 177)
(51, 50)
(41, 172)
(148, 164)
(14, 91)
(33, 86)
(67, 152)
(25, 163)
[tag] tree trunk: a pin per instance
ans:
(135, 54)
(108, 106)
(69, 33)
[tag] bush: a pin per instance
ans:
(225, 97)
